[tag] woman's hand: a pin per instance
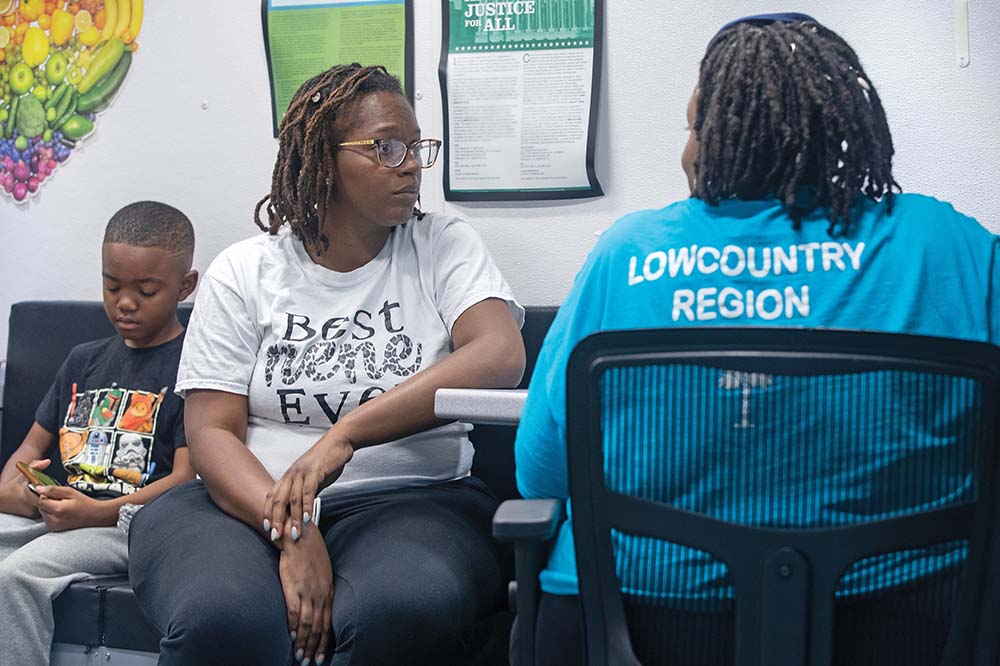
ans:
(289, 502)
(307, 581)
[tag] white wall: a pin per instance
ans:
(157, 142)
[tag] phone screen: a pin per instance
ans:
(35, 476)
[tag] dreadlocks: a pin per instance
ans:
(785, 105)
(302, 179)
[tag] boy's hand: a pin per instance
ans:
(15, 496)
(307, 581)
(64, 508)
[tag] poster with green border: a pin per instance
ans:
(519, 82)
(305, 37)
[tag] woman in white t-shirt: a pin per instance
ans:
(309, 369)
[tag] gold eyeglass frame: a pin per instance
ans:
(435, 143)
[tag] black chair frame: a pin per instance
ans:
(784, 579)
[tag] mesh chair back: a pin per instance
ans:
(780, 497)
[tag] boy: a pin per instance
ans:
(120, 430)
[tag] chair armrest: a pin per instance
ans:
(528, 520)
(530, 524)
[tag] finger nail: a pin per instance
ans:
(319, 659)
(305, 662)
(274, 534)
(267, 525)
(292, 636)
(298, 654)
(295, 534)
(305, 517)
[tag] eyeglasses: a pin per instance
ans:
(392, 153)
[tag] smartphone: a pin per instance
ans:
(35, 476)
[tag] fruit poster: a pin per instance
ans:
(520, 80)
(61, 64)
(305, 37)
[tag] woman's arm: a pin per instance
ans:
(216, 426)
(488, 353)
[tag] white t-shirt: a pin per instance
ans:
(306, 344)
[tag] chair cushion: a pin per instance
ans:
(77, 613)
(124, 624)
(102, 610)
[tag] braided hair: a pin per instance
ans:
(302, 180)
(786, 105)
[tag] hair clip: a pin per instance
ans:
(317, 97)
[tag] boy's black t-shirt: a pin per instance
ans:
(117, 416)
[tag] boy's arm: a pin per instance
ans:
(66, 508)
(180, 473)
(15, 498)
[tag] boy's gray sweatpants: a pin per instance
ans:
(35, 567)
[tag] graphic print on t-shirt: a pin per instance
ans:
(106, 442)
(366, 353)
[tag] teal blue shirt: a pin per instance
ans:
(923, 269)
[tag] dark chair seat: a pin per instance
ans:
(103, 610)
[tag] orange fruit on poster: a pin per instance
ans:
(44, 21)
(100, 18)
(6, 6)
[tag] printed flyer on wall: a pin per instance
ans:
(520, 82)
(305, 37)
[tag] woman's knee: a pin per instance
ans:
(212, 629)
(401, 625)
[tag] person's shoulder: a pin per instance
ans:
(172, 348)
(435, 232)
(168, 358)
(937, 217)
(244, 260)
(432, 226)
(929, 208)
(251, 249)
(86, 354)
(636, 228)
(85, 351)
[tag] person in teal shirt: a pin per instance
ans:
(794, 219)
